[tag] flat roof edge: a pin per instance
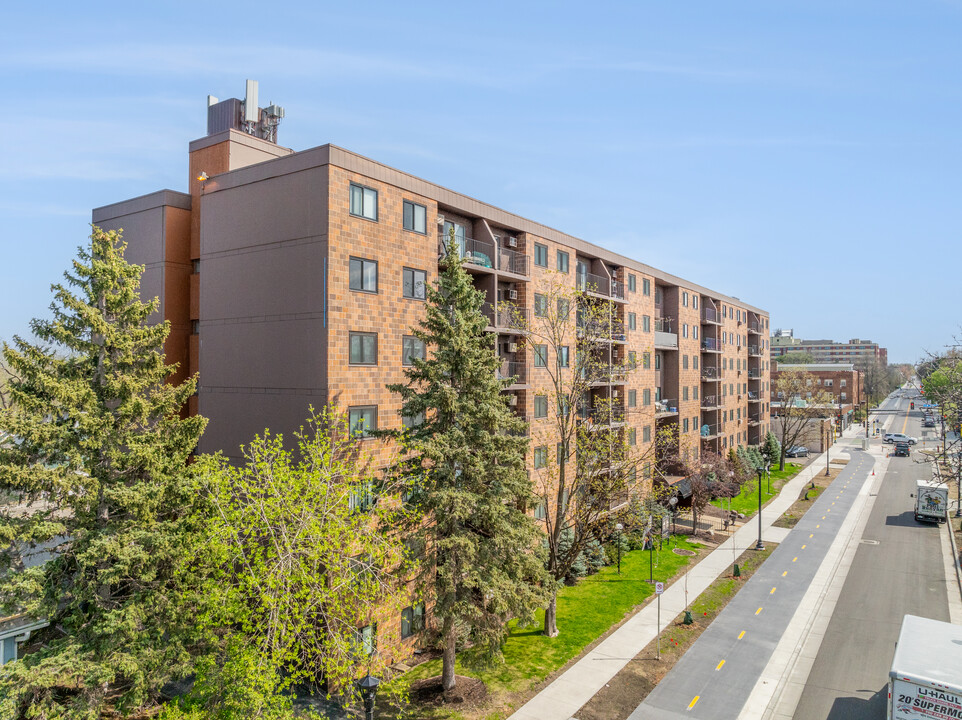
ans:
(160, 198)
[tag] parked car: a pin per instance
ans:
(901, 449)
(928, 422)
(797, 451)
(899, 437)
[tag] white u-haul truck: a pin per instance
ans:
(925, 682)
(931, 501)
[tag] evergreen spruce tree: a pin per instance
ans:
(482, 560)
(98, 470)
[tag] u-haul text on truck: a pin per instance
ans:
(925, 682)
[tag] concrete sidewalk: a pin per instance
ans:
(577, 685)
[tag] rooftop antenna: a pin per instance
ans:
(252, 114)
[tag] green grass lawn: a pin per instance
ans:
(585, 612)
(747, 500)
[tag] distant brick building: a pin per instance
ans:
(842, 381)
(784, 342)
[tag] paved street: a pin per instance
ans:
(898, 569)
(716, 676)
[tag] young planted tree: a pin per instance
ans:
(482, 562)
(801, 400)
(310, 551)
(709, 476)
(99, 470)
(584, 464)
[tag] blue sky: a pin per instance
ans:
(804, 156)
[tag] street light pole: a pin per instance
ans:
(619, 527)
(828, 449)
(758, 545)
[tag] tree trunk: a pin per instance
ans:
(781, 458)
(449, 655)
(551, 616)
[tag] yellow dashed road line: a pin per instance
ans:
(741, 634)
(758, 611)
(719, 666)
(693, 701)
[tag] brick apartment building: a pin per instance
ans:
(841, 380)
(827, 351)
(293, 279)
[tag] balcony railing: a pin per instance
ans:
(754, 374)
(711, 374)
(710, 431)
(753, 328)
(666, 407)
(663, 324)
(602, 330)
(605, 415)
(506, 315)
(710, 315)
(516, 370)
(753, 396)
(480, 253)
(710, 402)
(754, 350)
(604, 373)
(599, 285)
(711, 344)
(512, 261)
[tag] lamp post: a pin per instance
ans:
(758, 545)
(619, 527)
(828, 449)
(673, 501)
(368, 687)
(651, 554)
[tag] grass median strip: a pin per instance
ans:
(746, 502)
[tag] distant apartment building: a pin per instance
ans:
(294, 279)
(826, 351)
(842, 381)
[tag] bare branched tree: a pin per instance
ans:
(800, 400)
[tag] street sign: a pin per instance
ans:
(659, 588)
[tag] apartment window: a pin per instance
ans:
(541, 356)
(412, 421)
(562, 261)
(842, 382)
(632, 359)
(694, 362)
(645, 286)
(363, 202)
(646, 323)
(828, 383)
(541, 255)
(366, 638)
(684, 330)
(412, 620)
(684, 362)
(561, 454)
(684, 425)
(363, 348)
(362, 420)
(632, 320)
(684, 393)
(694, 331)
(646, 360)
(694, 392)
(540, 511)
(843, 396)
(646, 433)
(563, 357)
(632, 398)
(541, 406)
(633, 436)
(694, 301)
(631, 282)
(363, 275)
(540, 457)
(414, 283)
(540, 305)
(646, 396)
(412, 348)
(415, 217)
(684, 299)
(195, 327)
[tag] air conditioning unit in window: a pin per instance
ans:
(511, 347)
(512, 294)
(512, 400)
(511, 241)
(439, 220)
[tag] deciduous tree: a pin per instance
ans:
(800, 401)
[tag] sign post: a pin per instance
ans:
(659, 589)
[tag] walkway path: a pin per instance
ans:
(566, 694)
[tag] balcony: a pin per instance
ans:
(754, 421)
(602, 374)
(511, 261)
(598, 285)
(754, 374)
(601, 331)
(754, 396)
(603, 416)
(710, 316)
(665, 339)
(517, 371)
(476, 255)
(754, 328)
(710, 431)
(506, 317)
(711, 374)
(666, 408)
(711, 345)
(710, 402)
(754, 351)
